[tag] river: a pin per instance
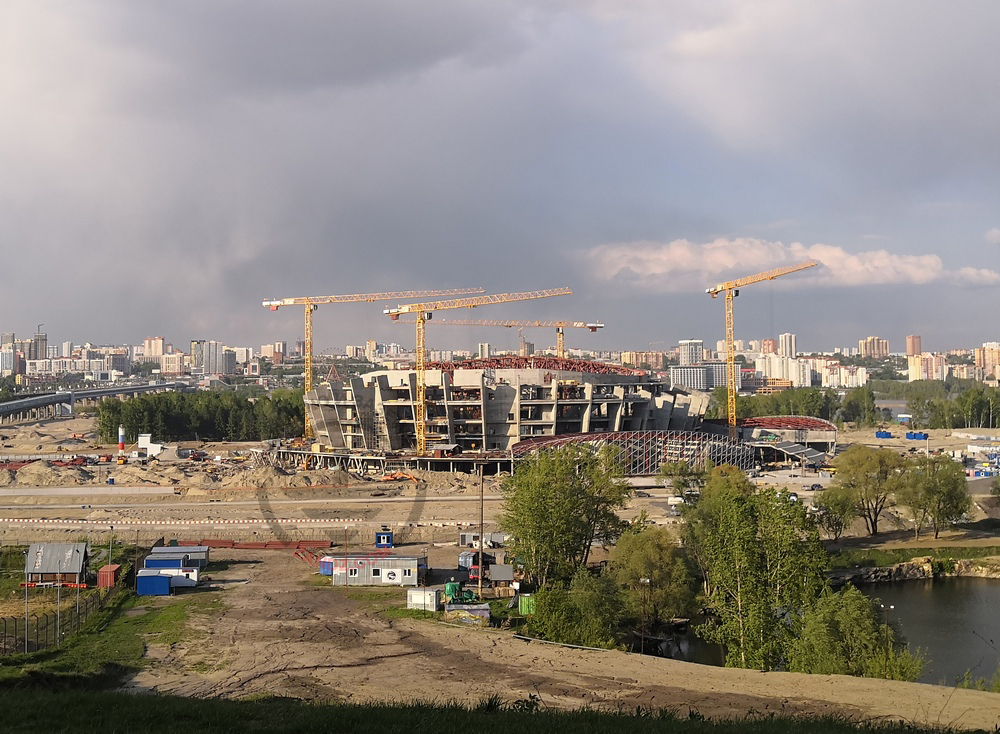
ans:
(955, 621)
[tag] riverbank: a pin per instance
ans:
(920, 568)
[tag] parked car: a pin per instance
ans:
(793, 497)
(816, 486)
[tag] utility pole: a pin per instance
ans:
(482, 522)
(26, 602)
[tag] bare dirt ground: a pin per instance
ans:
(281, 634)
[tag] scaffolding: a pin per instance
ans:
(644, 452)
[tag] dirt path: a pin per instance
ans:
(279, 635)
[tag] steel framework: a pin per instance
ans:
(644, 452)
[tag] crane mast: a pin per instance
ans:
(731, 290)
(423, 311)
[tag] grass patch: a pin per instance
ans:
(111, 645)
(869, 557)
(38, 711)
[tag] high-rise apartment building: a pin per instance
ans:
(913, 347)
(768, 346)
(926, 367)
(152, 346)
(39, 346)
(787, 346)
(6, 339)
(484, 350)
(198, 355)
(691, 351)
(874, 347)
(67, 349)
(371, 350)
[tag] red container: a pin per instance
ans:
(108, 576)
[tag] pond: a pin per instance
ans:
(955, 621)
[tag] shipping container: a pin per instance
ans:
(150, 583)
(164, 560)
(107, 577)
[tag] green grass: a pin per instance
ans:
(404, 613)
(111, 645)
(83, 712)
(868, 557)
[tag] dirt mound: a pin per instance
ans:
(43, 474)
(7, 477)
(265, 476)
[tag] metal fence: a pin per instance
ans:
(42, 631)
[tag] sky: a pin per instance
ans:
(165, 167)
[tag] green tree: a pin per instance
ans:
(836, 511)
(557, 504)
(943, 488)
(587, 613)
(842, 635)
(651, 570)
(872, 477)
(763, 565)
(681, 476)
(859, 407)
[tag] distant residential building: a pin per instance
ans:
(768, 346)
(913, 347)
(787, 346)
(874, 347)
(6, 339)
(67, 349)
(484, 350)
(926, 366)
(701, 376)
(691, 351)
(354, 351)
(987, 357)
(152, 346)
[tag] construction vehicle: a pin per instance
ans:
(455, 594)
(423, 312)
(559, 326)
(731, 289)
(311, 303)
(122, 459)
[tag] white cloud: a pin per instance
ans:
(687, 266)
(993, 236)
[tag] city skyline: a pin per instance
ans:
(202, 158)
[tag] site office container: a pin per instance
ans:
(149, 582)
(428, 600)
(198, 554)
(186, 576)
(165, 560)
(107, 577)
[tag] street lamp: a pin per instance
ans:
(885, 610)
(59, 603)
(79, 573)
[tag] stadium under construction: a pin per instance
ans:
(491, 413)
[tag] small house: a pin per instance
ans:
(57, 563)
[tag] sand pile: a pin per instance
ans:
(43, 474)
(7, 477)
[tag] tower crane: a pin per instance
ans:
(559, 326)
(731, 289)
(423, 312)
(311, 303)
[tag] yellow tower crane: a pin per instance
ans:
(559, 326)
(731, 290)
(423, 311)
(311, 303)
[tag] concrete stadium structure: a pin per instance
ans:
(491, 410)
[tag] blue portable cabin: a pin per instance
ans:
(383, 539)
(326, 565)
(150, 583)
(168, 560)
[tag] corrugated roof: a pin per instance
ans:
(55, 558)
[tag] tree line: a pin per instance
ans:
(750, 557)
(204, 415)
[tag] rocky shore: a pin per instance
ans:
(922, 567)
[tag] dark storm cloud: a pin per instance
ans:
(165, 166)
